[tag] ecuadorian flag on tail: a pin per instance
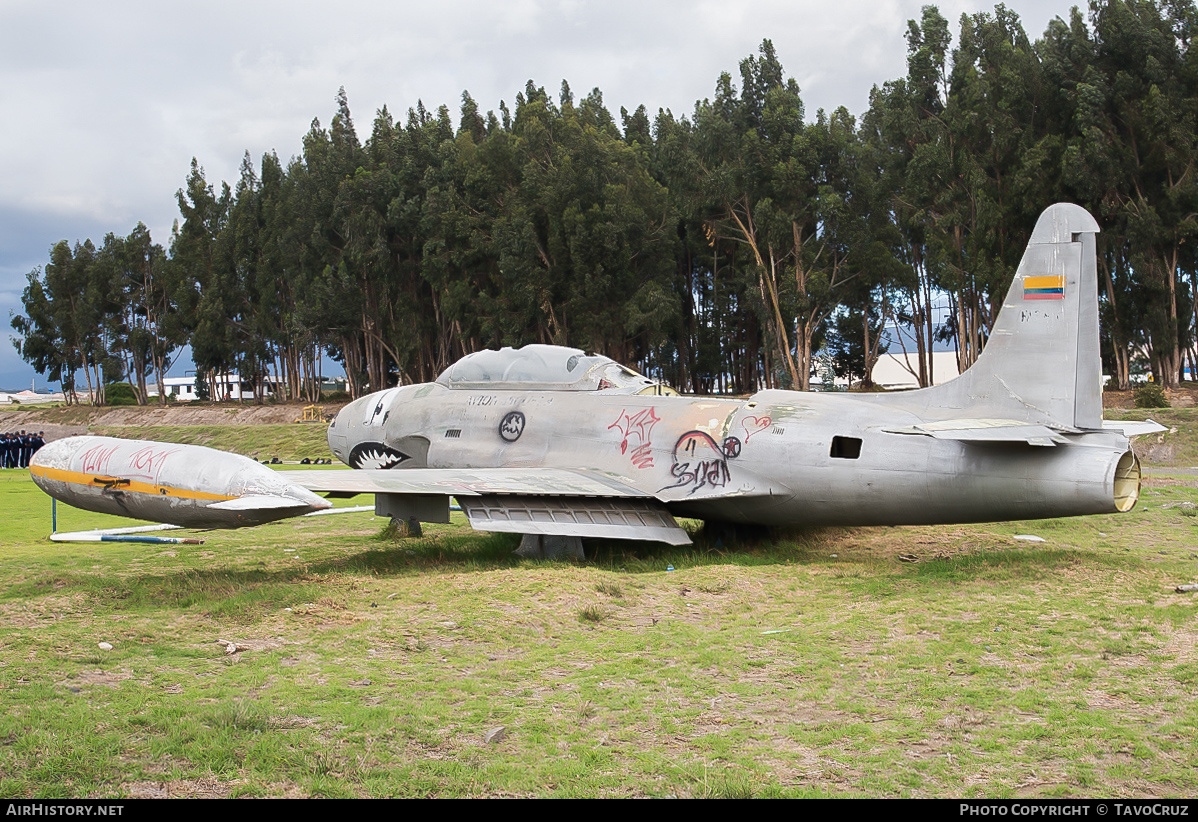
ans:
(1044, 288)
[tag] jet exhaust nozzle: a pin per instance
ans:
(1127, 482)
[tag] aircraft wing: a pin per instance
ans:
(458, 482)
(987, 430)
(564, 502)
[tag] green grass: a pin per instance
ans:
(813, 663)
(1177, 446)
(287, 442)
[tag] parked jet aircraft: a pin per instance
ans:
(546, 440)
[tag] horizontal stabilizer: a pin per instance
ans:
(985, 430)
(1133, 428)
(634, 519)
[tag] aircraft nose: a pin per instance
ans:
(357, 434)
(53, 454)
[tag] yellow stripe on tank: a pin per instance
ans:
(100, 481)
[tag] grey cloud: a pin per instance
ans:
(106, 104)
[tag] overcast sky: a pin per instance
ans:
(105, 104)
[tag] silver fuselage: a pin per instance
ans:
(776, 458)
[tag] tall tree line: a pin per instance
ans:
(720, 251)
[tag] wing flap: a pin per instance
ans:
(627, 518)
(563, 502)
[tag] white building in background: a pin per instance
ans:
(892, 372)
(30, 398)
(232, 387)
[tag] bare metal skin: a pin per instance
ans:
(546, 440)
(1018, 436)
(186, 485)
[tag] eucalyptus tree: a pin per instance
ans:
(1127, 111)
(561, 226)
(1142, 53)
(333, 301)
(969, 158)
(876, 244)
(63, 330)
(193, 265)
(1002, 163)
(142, 318)
(425, 323)
(1092, 174)
(46, 338)
(366, 187)
(471, 180)
(666, 151)
(225, 340)
(905, 131)
(284, 281)
(616, 235)
(771, 176)
(85, 291)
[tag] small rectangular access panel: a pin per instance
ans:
(845, 448)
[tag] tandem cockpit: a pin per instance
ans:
(547, 368)
(533, 367)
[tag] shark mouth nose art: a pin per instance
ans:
(375, 455)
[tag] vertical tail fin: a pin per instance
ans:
(1042, 362)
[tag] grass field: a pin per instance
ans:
(816, 663)
(288, 442)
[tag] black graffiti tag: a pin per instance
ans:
(731, 447)
(512, 426)
(698, 463)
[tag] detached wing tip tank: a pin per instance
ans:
(549, 441)
(186, 485)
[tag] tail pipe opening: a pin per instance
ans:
(1127, 482)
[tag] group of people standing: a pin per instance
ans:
(17, 448)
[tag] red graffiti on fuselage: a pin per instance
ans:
(755, 425)
(637, 429)
(148, 461)
(95, 459)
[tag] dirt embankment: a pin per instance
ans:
(1184, 397)
(64, 422)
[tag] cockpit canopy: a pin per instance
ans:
(546, 367)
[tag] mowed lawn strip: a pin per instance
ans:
(817, 663)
